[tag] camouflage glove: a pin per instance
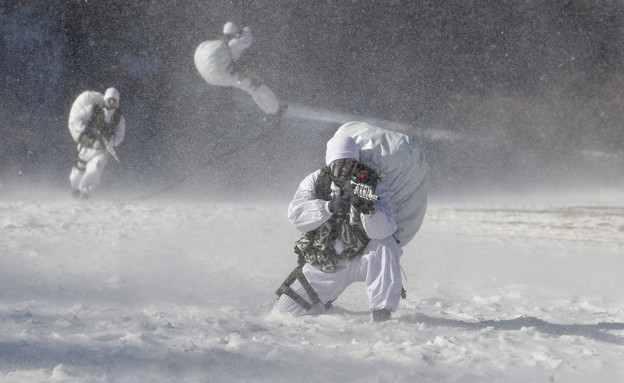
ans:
(362, 205)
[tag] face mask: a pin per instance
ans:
(343, 168)
(111, 103)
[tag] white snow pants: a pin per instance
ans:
(88, 179)
(262, 95)
(378, 267)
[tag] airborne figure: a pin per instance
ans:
(216, 62)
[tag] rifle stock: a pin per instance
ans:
(107, 144)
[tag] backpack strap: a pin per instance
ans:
(97, 122)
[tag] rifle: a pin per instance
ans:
(107, 144)
(361, 185)
(364, 191)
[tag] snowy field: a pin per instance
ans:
(165, 290)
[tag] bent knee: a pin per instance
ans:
(97, 163)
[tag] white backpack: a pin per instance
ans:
(400, 162)
(213, 62)
(83, 100)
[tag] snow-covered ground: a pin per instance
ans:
(167, 290)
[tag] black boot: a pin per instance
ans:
(79, 195)
(381, 315)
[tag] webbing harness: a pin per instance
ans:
(297, 274)
(316, 247)
(97, 123)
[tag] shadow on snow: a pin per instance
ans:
(597, 331)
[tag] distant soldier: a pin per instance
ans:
(97, 125)
(216, 62)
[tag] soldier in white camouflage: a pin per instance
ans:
(347, 237)
(97, 125)
(216, 62)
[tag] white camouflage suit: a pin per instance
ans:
(214, 59)
(378, 266)
(85, 180)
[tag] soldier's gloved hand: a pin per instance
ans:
(362, 205)
(247, 33)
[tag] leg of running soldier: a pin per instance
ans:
(75, 177)
(262, 95)
(93, 173)
(78, 170)
(328, 286)
(380, 269)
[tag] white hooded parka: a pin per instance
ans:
(378, 266)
